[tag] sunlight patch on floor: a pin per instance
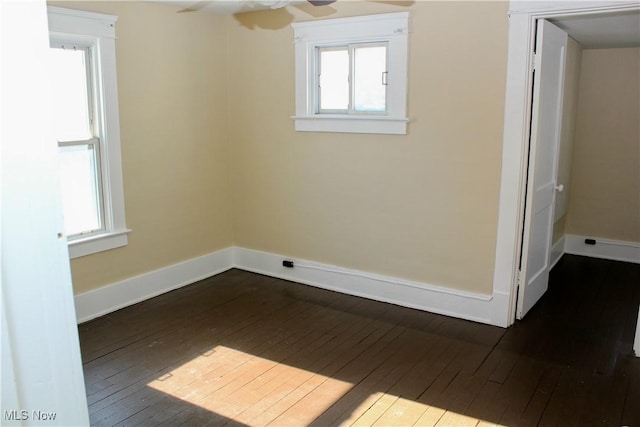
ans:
(381, 409)
(251, 389)
(259, 391)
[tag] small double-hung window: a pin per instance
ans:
(351, 74)
(352, 79)
(82, 70)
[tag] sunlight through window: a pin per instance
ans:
(78, 147)
(258, 391)
(79, 182)
(248, 388)
(68, 69)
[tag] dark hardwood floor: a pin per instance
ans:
(244, 349)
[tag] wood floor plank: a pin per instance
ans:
(631, 410)
(299, 341)
(306, 411)
(489, 405)
(286, 380)
(568, 399)
(604, 401)
(128, 325)
(521, 386)
(145, 372)
(424, 371)
(383, 377)
(454, 419)
(417, 386)
(539, 400)
(179, 338)
(311, 358)
(376, 410)
(382, 333)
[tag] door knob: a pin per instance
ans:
(559, 188)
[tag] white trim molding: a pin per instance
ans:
(104, 300)
(450, 302)
(567, 7)
(351, 124)
(97, 32)
(616, 250)
(81, 22)
(389, 28)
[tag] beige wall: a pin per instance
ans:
(565, 153)
(204, 98)
(173, 113)
(605, 190)
(422, 206)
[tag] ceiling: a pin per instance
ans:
(227, 7)
(598, 31)
(620, 29)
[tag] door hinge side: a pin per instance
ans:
(518, 291)
(536, 61)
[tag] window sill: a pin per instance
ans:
(351, 124)
(97, 243)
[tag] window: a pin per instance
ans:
(78, 145)
(351, 74)
(352, 79)
(81, 66)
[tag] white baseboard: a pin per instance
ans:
(466, 305)
(604, 248)
(482, 308)
(490, 309)
(106, 299)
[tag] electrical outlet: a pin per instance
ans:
(287, 263)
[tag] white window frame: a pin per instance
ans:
(97, 31)
(350, 48)
(391, 29)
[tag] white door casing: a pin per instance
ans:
(522, 18)
(546, 125)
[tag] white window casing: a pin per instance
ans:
(391, 29)
(98, 32)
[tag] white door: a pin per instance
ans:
(41, 365)
(546, 122)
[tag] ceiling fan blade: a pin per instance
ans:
(403, 3)
(321, 2)
(316, 12)
(196, 6)
(273, 19)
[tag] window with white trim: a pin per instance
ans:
(352, 79)
(82, 72)
(351, 74)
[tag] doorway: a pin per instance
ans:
(598, 20)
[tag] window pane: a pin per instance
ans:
(70, 109)
(334, 79)
(369, 91)
(79, 182)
